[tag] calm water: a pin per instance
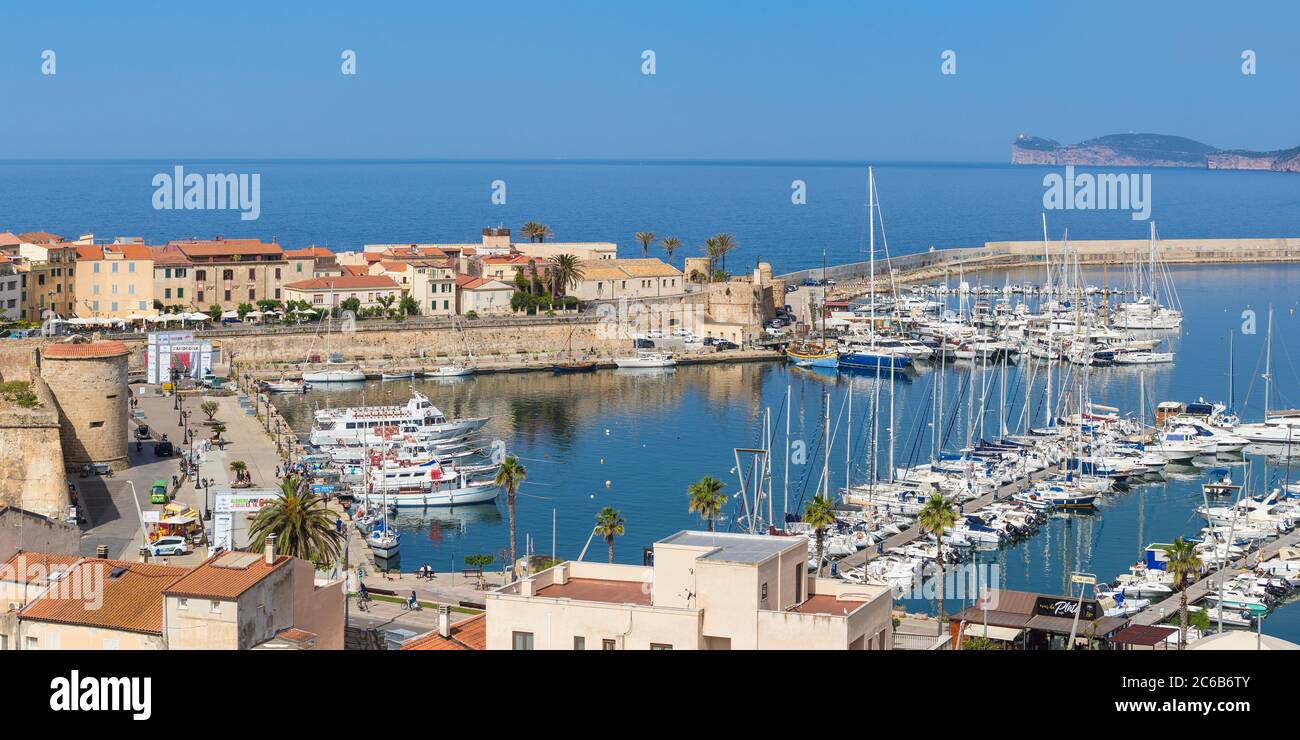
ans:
(344, 205)
(634, 440)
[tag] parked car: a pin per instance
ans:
(682, 331)
(723, 344)
(163, 448)
(170, 545)
(142, 432)
(644, 344)
(654, 334)
(158, 492)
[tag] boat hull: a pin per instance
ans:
(472, 494)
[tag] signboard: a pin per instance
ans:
(320, 488)
(247, 501)
(151, 516)
(1086, 579)
(1054, 606)
(166, 350)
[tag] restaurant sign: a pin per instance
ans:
(1055, 606)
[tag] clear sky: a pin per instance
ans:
(562, 78)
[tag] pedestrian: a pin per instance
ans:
(277, 471)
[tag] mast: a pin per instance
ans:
(785, 495)
(871, 240)
(1268, 361)
(848, 443)
(826, 439)
(1231, 376)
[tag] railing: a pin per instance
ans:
(921, 642)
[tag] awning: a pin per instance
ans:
(1005, 634)
(1143, 635)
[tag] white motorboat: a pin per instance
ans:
(288, 386)
(469, 493)
(646, 359)
(1181, 446)
(397, 376)
(450, 371)
(1143, 358)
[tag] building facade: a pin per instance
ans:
(228, 272)
(329, 292)
(114, 281)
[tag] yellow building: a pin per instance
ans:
(328, 292)
(173, 280)
(433, 286)
(228, 272)
(628, 278)
(115, 281)
(705, 591)
(50, 267)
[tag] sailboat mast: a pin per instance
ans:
(871, 240)
(1268, 361)
(1231, 376)
(785, 493)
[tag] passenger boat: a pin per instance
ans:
(452, 492)
(647, 359)
(360, 424)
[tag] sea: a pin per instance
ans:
(635, 440)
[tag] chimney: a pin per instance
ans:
(270, 549)
(101, 552)
(444, 620)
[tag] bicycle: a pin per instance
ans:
(364, 601)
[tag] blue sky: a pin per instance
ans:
(758, 80)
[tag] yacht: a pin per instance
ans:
(349, 374)
(288, 386)
(361, 424)
(648, 358)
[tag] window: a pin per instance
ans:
(252, 273)
(180, 272)
(200, 274)
(214, 607)
(167, 293)
(765, 590)
(96, 424)
(277, 273)
(445, 305)
(227, 274)
(167, 272)
(130, 289)
(114, 306)
(277, 294)
(95, 289)
(115, 268)
(32, 643)
(180, 292)
(96, 267)
(227, 296)
(130, 267)
(579, 642)
(608, 645)
(523, 640)
(660, 646)
(252, 294)
(299, 266)
(199, 295)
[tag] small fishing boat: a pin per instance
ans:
(811, 355)
(397, 376)
(576, 366)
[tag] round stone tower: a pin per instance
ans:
(88, 380)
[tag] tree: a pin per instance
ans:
(302, 524)
(351, 304)
(480, 562)
(386, 303)
(646, 238)
(725, 244)
(543, 231)
(218, 430)
(530, 230)
(1182, 561)
(243, 309)
(819, 515)
(707, 499)
(936, 517)
(239, 468)
(214, 313)
(609, 524)
(408, 306)
(713, 251)
(209, 408)
(671, 244)
(566, 272)
(510, 476)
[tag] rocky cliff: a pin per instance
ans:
(1149, 150)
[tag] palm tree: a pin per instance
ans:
(706, 498)
(530, 230)
(936, 517)
(1182, 560)
(218, 430)
(646, 238)
(726, 243)
(239, 468)
(566, 272)
(713, 251)
(819, 515)
(509, 476)
(302, 524)
(671, 244)
(609, 524)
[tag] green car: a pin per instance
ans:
(158, 492)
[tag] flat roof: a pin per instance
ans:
(732, 547)
(599, 589)
(827, 604)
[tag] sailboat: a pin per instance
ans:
(456, 369)
(810, 354)
(569, 365)
(871, 356)
(384, 541)
(332, 373)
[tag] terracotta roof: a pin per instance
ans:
(34, 567)
(85, 350)
(168, 256)
(222, 247)
(39, 237)
(354, 269)
(226, 576)
(308, 252)
(125, 596)
(467, 282)
(467, 634)
(344, 282)
(9, 239)
(393, 265)
(599, 589)
(128, 251)
(646, 267)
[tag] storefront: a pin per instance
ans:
(1019, 620)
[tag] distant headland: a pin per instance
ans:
(1149, 150)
